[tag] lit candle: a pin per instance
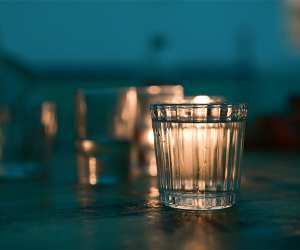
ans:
(207, 136)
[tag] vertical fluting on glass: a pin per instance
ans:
(198, 160)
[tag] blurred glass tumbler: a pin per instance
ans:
(27, 133)
(198, 151)
(105, 121)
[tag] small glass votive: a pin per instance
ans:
(105, 123)
(198, 151)
(27, 135)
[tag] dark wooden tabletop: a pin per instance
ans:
(57, 213)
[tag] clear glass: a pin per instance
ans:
(198, 151)
(144, 139)
(105, 120)
(27, 133)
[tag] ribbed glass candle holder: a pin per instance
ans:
(198, 151)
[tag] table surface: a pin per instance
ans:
(57, 213)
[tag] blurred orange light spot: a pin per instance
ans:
(93, 171)
(154, 90)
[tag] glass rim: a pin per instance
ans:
(200, 105)
(199, 112)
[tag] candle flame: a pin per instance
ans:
(203, 99)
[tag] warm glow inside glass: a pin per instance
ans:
(145, 153)
(198, 151)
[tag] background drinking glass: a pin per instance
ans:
(105, 127)
(27, 133)
(144, 140)
(198, 149)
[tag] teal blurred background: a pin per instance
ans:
(244, 50)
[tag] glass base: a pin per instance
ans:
(198, 201)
